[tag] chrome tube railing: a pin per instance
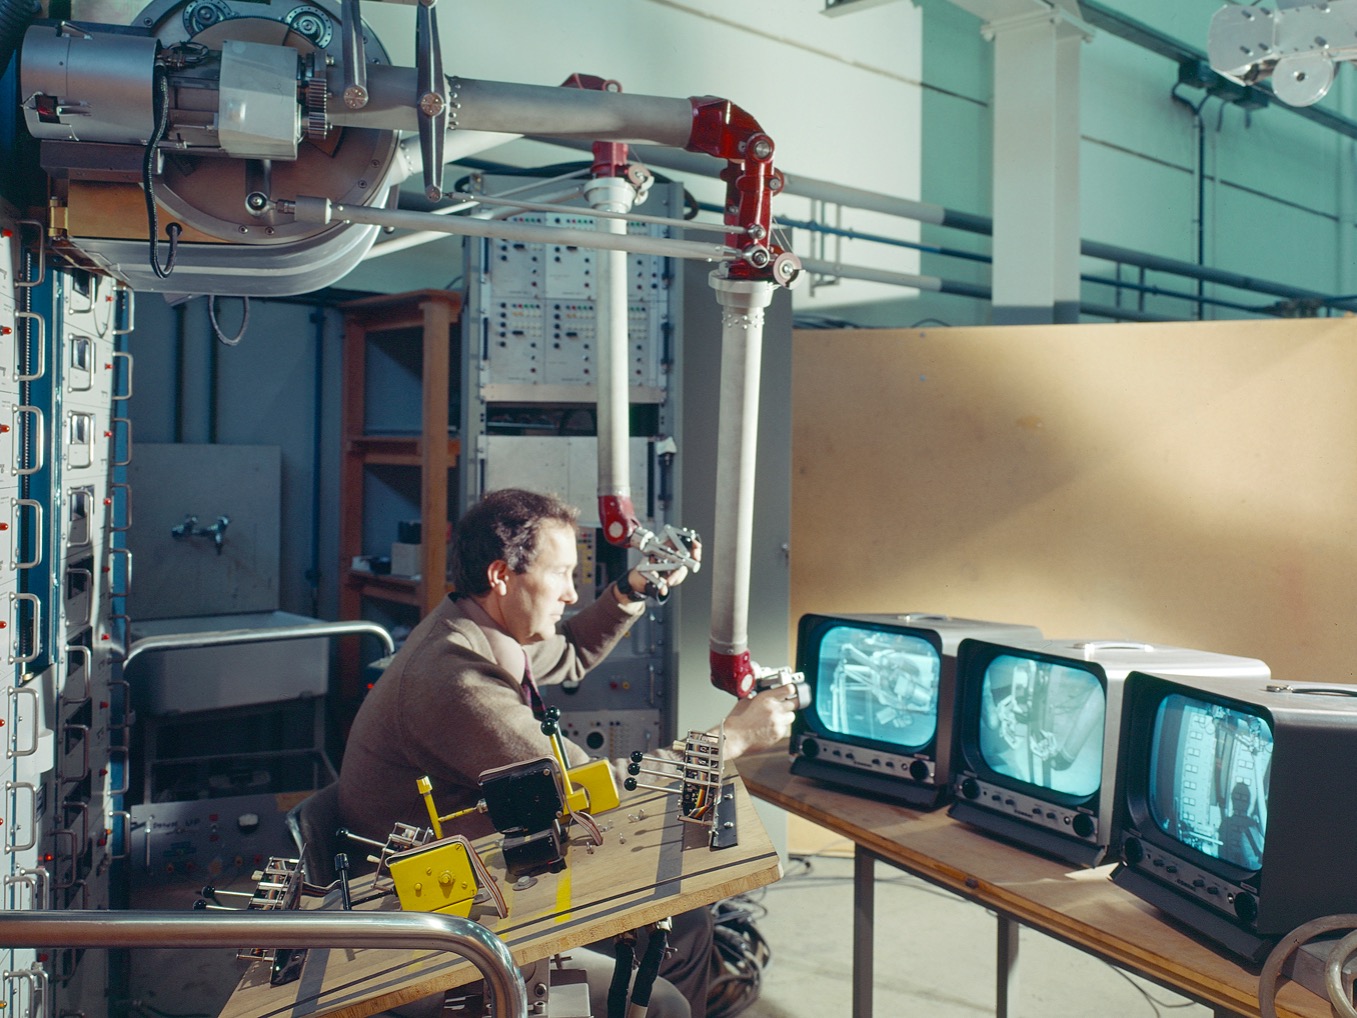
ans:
(222, 637)
(418, 931)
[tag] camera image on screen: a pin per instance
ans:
(884, 686)
(1042, 723)
(1209, 779)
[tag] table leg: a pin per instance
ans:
(864, 924)
(1006, 967)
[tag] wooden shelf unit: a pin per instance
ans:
(435, 315)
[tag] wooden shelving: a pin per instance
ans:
(425, 322)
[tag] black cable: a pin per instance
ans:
(625, 952)
(161, 113)
(649, 967)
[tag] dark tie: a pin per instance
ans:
(530, 695)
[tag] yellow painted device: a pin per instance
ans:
(439, 876)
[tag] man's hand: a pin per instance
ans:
(760, 722)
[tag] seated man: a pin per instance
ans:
(458, 699)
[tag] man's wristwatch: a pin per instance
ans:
(625, 588)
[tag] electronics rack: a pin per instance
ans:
(64, 442)
(527, 420)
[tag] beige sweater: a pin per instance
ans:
(450, 706)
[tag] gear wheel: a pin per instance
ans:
(317, 109)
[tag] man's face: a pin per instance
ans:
(536, 599)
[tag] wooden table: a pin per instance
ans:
(1081, 907)
(650, 865)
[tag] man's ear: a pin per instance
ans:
(496, 573)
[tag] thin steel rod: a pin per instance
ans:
(413, 931)
(223, 637)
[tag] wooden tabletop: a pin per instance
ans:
(1081, 907)
(650, 865)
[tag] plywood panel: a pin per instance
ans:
(1190, 483)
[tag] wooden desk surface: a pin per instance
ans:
(1080, 907)
(650, 866)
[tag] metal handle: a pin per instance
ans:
(131, 304)
(79, 648)
(14, 786)
(84, 809)
(127, 577)
(42, 252)
(127, 497)
(78, 343)
(39, 445)
(114, 441)
(128, 357)
(102, 326)
(85, 763)
(126, 818)
(14, 750)
(21, 880)
(81, 518)
(89, 605)
(40, 345)
(409, 931)
(222, 637)
(73, 853)
(36, 506)
(127, 783)
(29, 976)
(81, 439)
(37, 628)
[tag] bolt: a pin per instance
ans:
(728, 825)
(763, 148)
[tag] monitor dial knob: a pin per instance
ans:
(1083, 825)
(810, 749)
(918, 770)
(1132, 852)
(1245, 906)
(970, 788)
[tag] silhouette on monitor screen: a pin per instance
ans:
(1042, 723)
(1209, 778)
(884, 686)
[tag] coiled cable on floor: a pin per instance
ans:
(743, 955)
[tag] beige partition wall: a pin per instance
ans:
(1190, 483)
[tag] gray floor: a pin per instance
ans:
(935, 958)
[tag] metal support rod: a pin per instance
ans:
(413, 931)
(222, 637)
(864, 927)
(321, 210)
(1006, 967)
(743, 303)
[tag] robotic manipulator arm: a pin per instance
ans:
(1298, 45)
(279, 132)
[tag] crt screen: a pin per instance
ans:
(1042, 723)
(878, 685)
(1209, 772)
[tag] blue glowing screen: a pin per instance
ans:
(879, 686)
(1042, 723)
(1209, 771)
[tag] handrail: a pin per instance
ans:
(222, 637)
(388, 930)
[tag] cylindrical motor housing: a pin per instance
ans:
(80, 85)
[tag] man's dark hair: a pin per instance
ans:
(504, 524)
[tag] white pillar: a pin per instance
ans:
(1036, 157)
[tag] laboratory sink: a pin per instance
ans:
(232, 675)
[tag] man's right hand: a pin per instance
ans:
(760, 722)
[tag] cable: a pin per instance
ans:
(161, 114)
(244, 321)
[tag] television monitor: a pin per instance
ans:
(1036, 735)
(1230, 805)
(880, 712)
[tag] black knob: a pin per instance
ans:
(1084, 825)
(200, 905)
(810, 749)
(1245, 906)
(633, 768)
(918, 770)
(1132, 852)
(629, 784)
(637, 756)
(209, 892)
(970, 788)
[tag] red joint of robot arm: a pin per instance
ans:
(724, 130)
(733, 672)
(618, 518)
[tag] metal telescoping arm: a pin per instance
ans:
(742, 302)
(415, 931)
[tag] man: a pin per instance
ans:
(458, 698)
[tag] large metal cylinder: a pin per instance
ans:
(79, 85)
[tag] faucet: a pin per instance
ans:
(190, 528)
